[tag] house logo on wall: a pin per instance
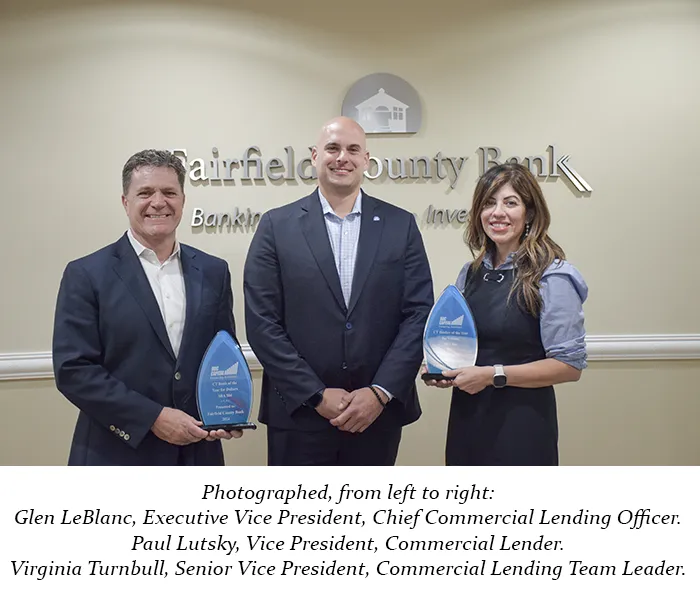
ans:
(383, 103)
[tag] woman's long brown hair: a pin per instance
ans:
(536, 251)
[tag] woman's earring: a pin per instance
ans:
(527, 229)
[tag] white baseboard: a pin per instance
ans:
(37, 365)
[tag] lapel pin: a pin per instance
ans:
(376, 218)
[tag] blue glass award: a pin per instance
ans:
(224, 386)
(449, 339)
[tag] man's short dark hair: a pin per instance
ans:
(152, 158)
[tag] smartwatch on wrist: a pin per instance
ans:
(499, 377)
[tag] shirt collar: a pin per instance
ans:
(327, 209)
(140, 249)
(488, 261)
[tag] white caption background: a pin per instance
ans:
(574, 531)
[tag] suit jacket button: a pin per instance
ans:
(348, 325)
(112, 427)
(344, 366)
(121, 434)
(126, 437)
(178, 376)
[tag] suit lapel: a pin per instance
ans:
(370, 234)
(130, 271)
(194, 280)
(316, 234)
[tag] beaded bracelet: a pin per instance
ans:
(377, 396)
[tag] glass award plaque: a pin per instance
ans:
(224, 386)
(449, 339)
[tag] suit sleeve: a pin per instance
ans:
(79, 374)
(398, 370)
(224, 318)
(291, 375)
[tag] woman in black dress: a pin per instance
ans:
(527, 304)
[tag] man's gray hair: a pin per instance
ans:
(152, 158)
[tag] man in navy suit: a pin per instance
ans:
(338, 289)
(133, 321)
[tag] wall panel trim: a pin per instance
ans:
(37, 365)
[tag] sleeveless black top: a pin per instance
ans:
(507, 426)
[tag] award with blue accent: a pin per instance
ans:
(449, 339)
(224, 386)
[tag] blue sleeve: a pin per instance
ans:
(462, 277)
(562, 329)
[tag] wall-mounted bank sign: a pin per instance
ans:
(383, 104)
(254, 166)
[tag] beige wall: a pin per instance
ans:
(615, 84)
(632, 413)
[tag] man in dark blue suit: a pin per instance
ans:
(133, 321)
(338, 289)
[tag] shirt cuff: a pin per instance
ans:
(379, 387)
(575, 358)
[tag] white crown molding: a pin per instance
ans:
(37, 365)
(26, 365)
(680, 346)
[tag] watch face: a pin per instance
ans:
(499, 381)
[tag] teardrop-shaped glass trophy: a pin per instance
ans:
(449, 339)
(224, 386)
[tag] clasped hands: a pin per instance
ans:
(468, 379)
(351, 411)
